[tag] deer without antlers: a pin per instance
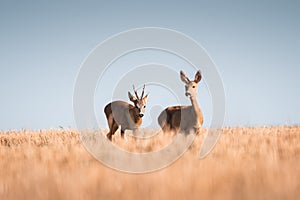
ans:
(129, 117)
(184, 118)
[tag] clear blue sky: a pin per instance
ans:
(255, 45)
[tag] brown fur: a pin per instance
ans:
(120, 113)
(183, 118)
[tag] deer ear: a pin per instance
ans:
(131, 97)
(145, 99)
(198, 77)
(183, 77)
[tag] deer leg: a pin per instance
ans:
(122, 133)
(113, 129)
(197, 130)
(110, 122)
(166, 128)
(109, 136)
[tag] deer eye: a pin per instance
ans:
(144, 106)
(193, 86)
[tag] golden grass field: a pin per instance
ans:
(247, 163)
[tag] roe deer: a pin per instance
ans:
(129, 117)
(184, 118)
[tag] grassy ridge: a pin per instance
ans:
(247, 163)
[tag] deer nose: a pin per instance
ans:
(141, 115)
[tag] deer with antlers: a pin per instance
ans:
(184, 118)
(129, 117)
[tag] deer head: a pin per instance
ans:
(191, 86)
(139, 102)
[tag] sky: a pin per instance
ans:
(254, 44)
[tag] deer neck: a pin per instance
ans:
(134, 116)
(195, 106)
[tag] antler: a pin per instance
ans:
(136, 94)
(143, 92)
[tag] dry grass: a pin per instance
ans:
(247, 163)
